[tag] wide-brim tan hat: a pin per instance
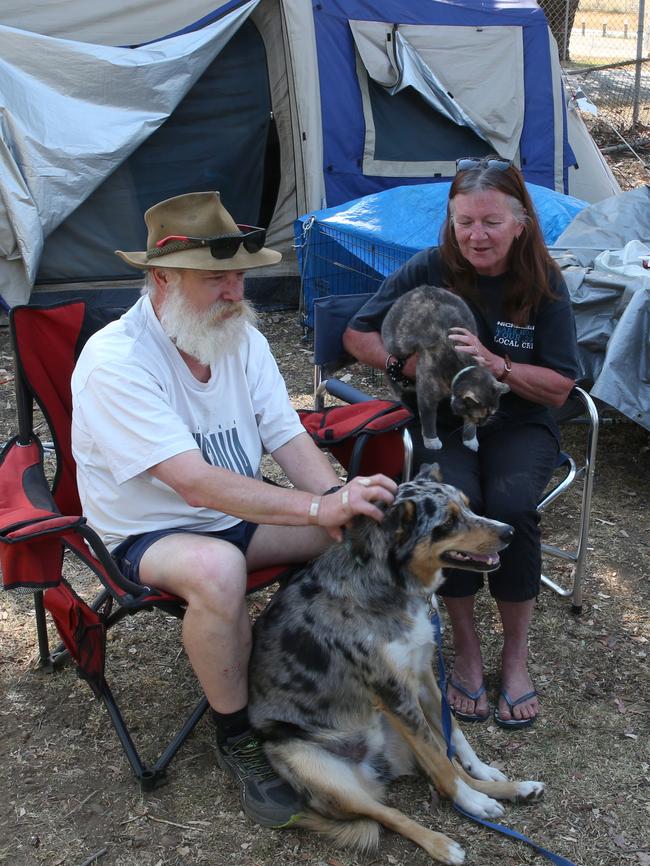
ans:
(194, 215)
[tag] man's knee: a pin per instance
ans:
(215, 576)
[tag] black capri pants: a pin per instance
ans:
(504, 480)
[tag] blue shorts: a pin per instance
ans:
(129, 552)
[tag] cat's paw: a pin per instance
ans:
(472, 443)
(433, 444)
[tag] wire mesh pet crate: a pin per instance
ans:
(334, 261)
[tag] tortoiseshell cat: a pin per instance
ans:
(419, 321)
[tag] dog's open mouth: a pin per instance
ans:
(472, 561)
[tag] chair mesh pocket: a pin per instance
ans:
(81, 629)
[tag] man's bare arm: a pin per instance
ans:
(203, 485)
(305, 465)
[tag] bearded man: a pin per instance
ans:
(174, 405)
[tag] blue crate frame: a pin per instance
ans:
(335, 261)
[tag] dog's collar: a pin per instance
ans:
(460, 373)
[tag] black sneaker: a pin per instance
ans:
(264, 796)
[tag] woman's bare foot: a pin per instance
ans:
(465, 689)
(467, 702)
(518, 699)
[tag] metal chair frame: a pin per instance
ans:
(585, 474)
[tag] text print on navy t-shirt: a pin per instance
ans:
(513, 336)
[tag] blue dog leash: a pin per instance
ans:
(506, 831)
(442, 682)
(451, 751)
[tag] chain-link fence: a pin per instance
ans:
(604, 48)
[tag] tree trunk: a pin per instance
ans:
(560, 24)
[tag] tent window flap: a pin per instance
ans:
(445, 88)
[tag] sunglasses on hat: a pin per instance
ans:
(221, 246)
(467, 163)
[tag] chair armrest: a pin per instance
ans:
(343, 391)
(578, 405)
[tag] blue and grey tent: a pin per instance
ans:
(285, 106)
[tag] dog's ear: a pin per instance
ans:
(359, 535)
(407, 521)
(430, 472)
(401, 523)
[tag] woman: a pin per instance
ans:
(493, 255)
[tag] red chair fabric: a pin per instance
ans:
(82, 630)
(364, 437)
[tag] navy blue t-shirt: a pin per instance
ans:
(548, 340)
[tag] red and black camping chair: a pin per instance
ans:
(41, 520)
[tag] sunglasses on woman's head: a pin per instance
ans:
(221, 246)
(467, 163)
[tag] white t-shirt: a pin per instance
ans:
(136, 403)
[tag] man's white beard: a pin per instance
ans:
(207, 335)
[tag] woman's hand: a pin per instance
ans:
(358, 496)
(467, 343)
(537, 384)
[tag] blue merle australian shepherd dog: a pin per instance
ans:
(342, 689)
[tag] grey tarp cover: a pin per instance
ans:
(88, 112)
(612, 311)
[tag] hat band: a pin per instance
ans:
(221, 246)
(175, 246)
(171, 247)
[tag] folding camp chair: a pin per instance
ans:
(37, 524)
(331, 315)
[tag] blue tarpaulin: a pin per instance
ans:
(352, 247)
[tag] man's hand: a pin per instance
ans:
(357, 497)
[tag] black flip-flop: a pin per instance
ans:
(473, 696)
(514, 724)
